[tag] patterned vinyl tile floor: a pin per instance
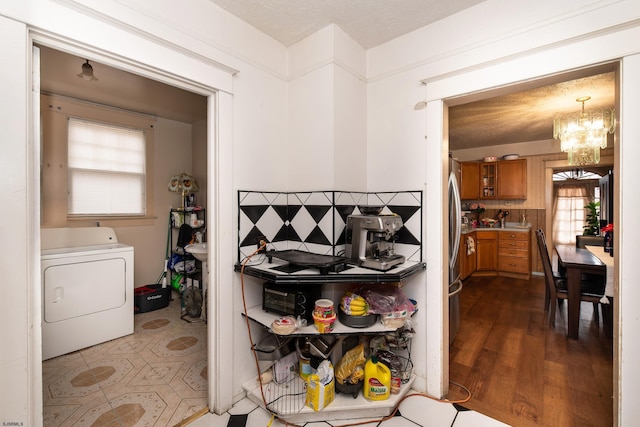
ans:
(155, 377)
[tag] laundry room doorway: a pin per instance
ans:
(184, 140)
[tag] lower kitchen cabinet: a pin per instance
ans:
(502, 252)
(487, 251)
(513, 252)
(467, 255)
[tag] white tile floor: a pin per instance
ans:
(413, 412)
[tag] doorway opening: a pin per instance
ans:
(542, 155)
(182, 140)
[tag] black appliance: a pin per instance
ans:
(290, 299)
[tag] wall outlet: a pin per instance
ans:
(259, 241)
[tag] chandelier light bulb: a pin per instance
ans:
(583, 134)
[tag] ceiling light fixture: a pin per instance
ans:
(87, 72)
(583, 134)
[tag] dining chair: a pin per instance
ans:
(582, 241)
(556, 285)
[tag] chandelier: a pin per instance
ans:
(584, 133)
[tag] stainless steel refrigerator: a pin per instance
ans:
(455, 225)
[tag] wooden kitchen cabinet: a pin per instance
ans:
(503, 179)
(512, 179)
(469, 182)
(488, 171)
(513, 253)
(486, 251)
(467, 260)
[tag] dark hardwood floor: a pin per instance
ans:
(518, 369)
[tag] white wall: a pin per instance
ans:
(494, 44)
(20, 241)
(172, 155)
(327, 113)
(311, 129)
(350, 132)
(628, 345)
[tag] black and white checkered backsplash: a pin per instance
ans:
(315, 221)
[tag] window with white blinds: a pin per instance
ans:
(106, 169)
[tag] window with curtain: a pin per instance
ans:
(569, 214)
(106, 169)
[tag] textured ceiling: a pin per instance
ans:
(369, 22)
(527, 115)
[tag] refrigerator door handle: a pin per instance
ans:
(458, 289)
(455, 221)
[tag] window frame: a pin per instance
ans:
(141, 175)
(55, 112)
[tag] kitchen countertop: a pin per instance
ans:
(352, 274)
(509, 226)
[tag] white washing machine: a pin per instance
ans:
(87, 288)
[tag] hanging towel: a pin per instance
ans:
(471, 245)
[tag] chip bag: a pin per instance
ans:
(350, 369)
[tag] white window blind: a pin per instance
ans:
(106, 169)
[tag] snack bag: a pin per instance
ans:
(350, 369)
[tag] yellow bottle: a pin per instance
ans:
(377, 380)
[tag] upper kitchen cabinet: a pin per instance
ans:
(469, 185)
(512, 179)
(488, 188)
(503, 179)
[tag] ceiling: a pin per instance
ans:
(59, 75)
(520, 113)
(368, 22)
(526, 112)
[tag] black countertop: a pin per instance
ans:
(281, 272)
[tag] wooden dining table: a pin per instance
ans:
(576, 261)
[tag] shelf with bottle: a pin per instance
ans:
(195, 217)
(258, 315)
(284, 375)
(185, 270)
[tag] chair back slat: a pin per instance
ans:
(546, 263)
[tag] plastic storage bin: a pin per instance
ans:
(150, 297)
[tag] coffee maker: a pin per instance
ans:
(370, 241)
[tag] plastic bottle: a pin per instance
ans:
(377, 380)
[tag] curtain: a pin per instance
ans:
(569, 215)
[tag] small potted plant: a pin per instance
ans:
(592, 226)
